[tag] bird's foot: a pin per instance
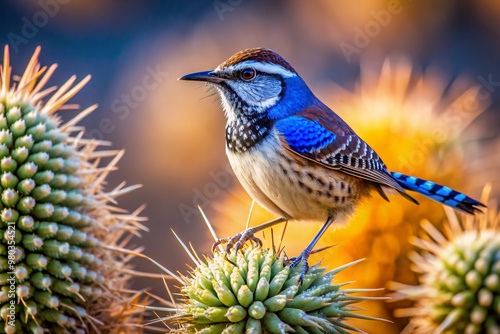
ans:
(237, 241)
(302, 258)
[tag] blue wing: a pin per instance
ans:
(319, 135)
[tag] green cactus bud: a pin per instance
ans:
(26, 186)
(36, 261)
(244, 295)
(26, 170)
(260, 295)
(60, 267)
(459, 286)
(26, 204)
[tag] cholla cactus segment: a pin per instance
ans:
(255, 291)
(62, 269)
(459, 289)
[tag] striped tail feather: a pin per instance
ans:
(439, 193)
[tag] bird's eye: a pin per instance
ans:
(247, 74)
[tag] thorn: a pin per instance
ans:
(322, 249)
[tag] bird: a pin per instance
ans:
(295, 156)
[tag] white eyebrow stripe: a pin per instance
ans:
(262, 67)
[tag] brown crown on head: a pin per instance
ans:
(257, 54)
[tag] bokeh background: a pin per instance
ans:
(418, 80)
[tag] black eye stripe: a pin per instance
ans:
(258, 73)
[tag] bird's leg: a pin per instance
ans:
(239, 239)
(302, 258)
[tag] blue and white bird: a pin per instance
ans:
(294, 155)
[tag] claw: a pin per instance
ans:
(302, 258)
(219, 242)
(238, 241)
(229, 260)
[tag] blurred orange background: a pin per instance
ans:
(418, 80)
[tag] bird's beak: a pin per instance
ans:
(207, 76)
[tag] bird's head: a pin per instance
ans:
(256, 81)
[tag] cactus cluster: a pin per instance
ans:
(254, 291)
(459, 289)
(58, 271)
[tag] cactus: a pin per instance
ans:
(254, 291)
(459, 289)
(61, 268)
